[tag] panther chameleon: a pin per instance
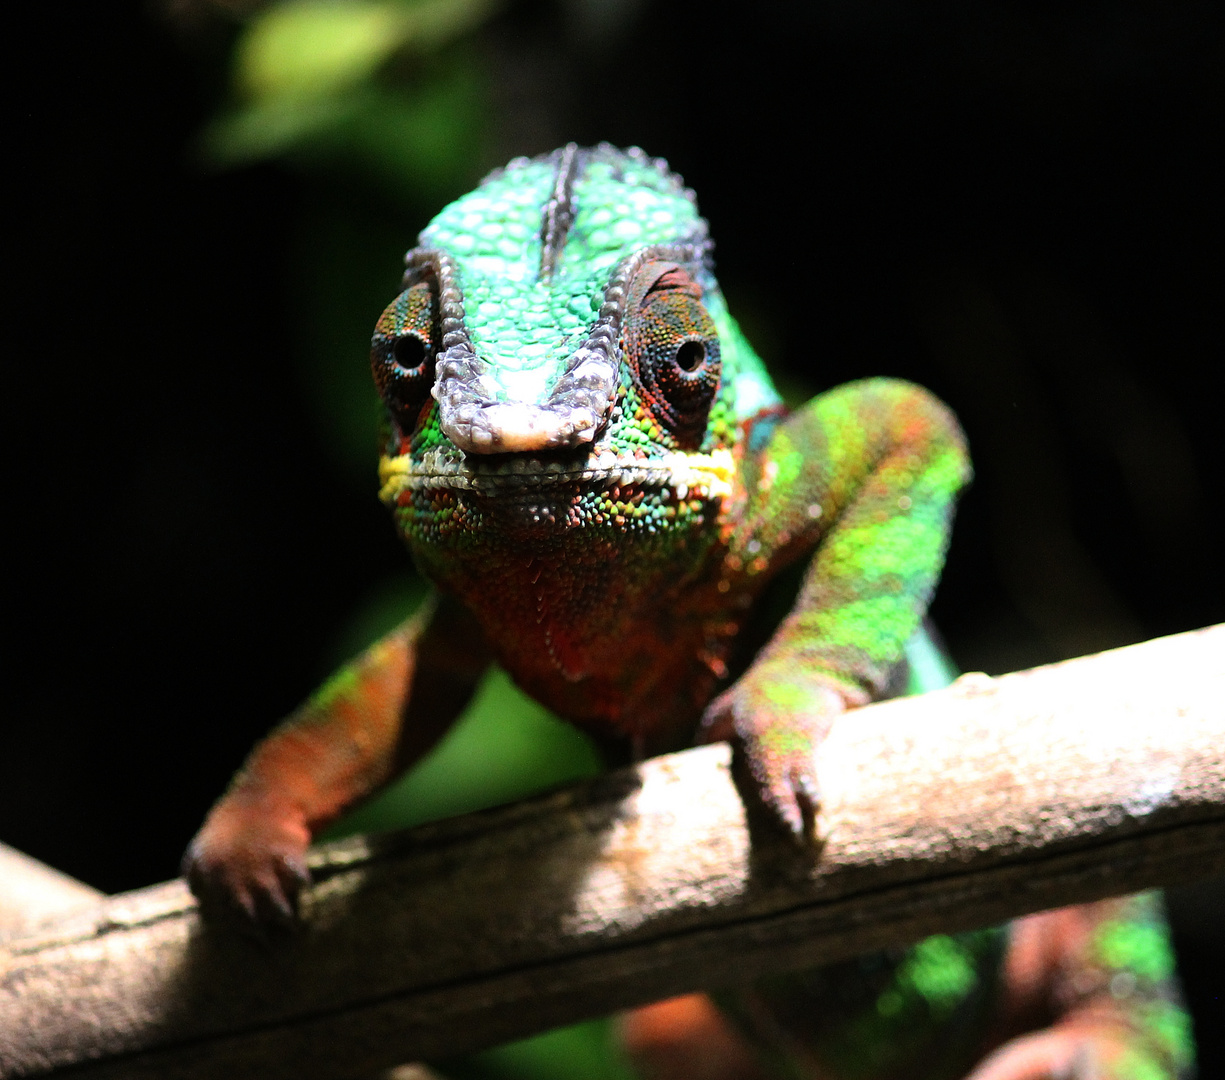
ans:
(587, 459)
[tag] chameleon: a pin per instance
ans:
(587, 459)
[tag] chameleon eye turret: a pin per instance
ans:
(672, 346)
(402, 354)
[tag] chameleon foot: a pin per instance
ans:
(248, 863)
(778, 718)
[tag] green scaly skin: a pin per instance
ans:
(588, 460)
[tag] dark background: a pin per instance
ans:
(1013, 203)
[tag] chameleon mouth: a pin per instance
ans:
(701, 476)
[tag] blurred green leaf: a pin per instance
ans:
(416, 144)
(314, 48)
(360, 82)
(272, 128)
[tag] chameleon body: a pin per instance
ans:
(588, 460)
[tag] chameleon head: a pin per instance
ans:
(564, 394)
(559, 332)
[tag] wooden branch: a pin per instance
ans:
(32, 892)
(965, 807)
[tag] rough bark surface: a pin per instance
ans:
(32, 893)
(994, 798)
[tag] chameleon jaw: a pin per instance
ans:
(702, 476)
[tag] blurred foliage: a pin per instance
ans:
(364, 83)
(315, 48)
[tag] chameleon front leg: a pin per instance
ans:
(373, 719)
(868, 473)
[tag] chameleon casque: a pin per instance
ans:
(588, 460)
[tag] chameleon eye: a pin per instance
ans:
(673, 349)
(402, 353)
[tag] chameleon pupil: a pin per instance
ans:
(409, 352)
(690, 356)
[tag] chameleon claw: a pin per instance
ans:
(787, 812)
(795, 803)
(248, 869)
(280, 895)
(808, 798)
